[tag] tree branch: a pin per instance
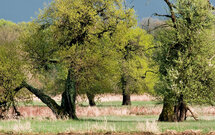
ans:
(192, 114)
(56, 109)
(173, 17)
(156, 14)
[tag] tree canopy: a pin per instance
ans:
(185, 57)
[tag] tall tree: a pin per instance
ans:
(135, 63)
(76, 35)
(185, 58)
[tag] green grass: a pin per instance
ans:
(99, 104)
(99, 124)
(105, 124)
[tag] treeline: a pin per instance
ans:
(96, 46)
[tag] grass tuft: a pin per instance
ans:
(148, 127)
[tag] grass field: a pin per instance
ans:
(109, 116)
(104, 124)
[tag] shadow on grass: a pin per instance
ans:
(118, 104)
(104, 120)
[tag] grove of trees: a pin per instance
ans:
(91, 47)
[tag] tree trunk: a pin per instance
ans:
(125, 94)
(167, 113)
(174, 113)
(91, 100)
(56, 109)
(69, 95)
(126, 99)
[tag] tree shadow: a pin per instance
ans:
(106, 120)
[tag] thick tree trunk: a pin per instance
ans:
(174, 113)
(91, 100)
(69, 95)
(167, 113)
(126, 98)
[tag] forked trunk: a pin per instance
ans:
(67, 108)
(174, 113)
(91, 100)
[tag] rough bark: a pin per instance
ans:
(69, 96)
(125, 94)
(175, 113)
(91, 100)
(167, 113)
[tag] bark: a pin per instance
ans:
(167, 113)
(69, 96)
(126, 99)
(171, 9)
(125, 94)
(175, 113)
(56, 109)
(91, 100)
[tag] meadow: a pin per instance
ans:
(108, 117)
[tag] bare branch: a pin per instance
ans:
(192, 114)
(173, 17)
(156, 14)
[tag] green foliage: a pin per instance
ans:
(135, 62)
(186, 54)
(79, 35)
(4, 23)
(11, 72)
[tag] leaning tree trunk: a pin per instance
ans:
(56, 109)
(91, 100)
(67, 108)
(126, 98)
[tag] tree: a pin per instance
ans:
(10, 67)
(76, 36)
(185, 57)
(135, 63)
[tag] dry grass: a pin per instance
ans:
(116, 97)
(42, 112)
(45, 112)
(148, 127)
(106, 98)
(118, 111)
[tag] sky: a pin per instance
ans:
(25, 10)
